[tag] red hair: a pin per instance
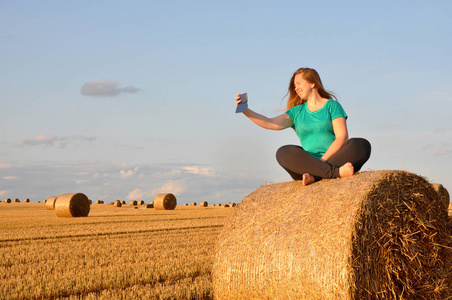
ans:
(311, 76)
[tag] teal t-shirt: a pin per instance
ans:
(315, 129)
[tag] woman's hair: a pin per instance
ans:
(311, 76)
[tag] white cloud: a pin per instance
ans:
(173, 187)
(106, 88)
(207, 171)
(10, 177)
(443, 152)
(129, 173)
(136, 194)
(4, 165)
(49, 140)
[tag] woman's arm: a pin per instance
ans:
(277, 123)
(341, 133)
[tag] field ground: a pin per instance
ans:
(114, 253)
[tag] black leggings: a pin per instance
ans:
(296, 161)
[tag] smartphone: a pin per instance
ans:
(243, 105)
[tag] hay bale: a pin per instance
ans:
(99, 201)
(146, 206)
(140, 202)
(117, 203)
(123, 202)
(27, 200)
(193, 204)
(7, 200)
(443, 194)
(204, 204)
(72, 205)
(185, 204)
(165, 201)
(90, 201)
(16, 200)
(133, 203)
(50, 202)
(375, 235)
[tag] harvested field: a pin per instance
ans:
(49, 257)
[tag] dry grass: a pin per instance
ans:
(376, 235)
(89, 258)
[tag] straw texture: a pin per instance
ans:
(375, 235)
(72, 205)
(165, 202)
(50, 203)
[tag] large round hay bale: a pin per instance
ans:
(165, 202)
(27, 200)
(50, 203)
(140, 202)
(193, 204)
(17, 200)
(72, 205)
(133, 203)
(100, 202)
(204, 204)
(7, 200)
(375, 235)
(117, 203)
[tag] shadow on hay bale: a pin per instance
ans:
(375, 235)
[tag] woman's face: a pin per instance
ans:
(302, 87)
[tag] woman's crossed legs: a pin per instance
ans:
(302, 166)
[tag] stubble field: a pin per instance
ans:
(114, 253)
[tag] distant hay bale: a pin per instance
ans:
(123, 202)
(375, 235)
(165, 201)
(146, 206)
(204, 204)
(90, 201)
(72, 205)
(16, 200)
(27, 200)
(7, 200)
(193, 204)
(133, 203)
(117, 203)
(140, 202)
(185, 204)
(443, 193)
(50, 203)
(100, 202)
(219, 204)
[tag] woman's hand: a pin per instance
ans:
(238, 100)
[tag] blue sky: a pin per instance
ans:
(126, 99)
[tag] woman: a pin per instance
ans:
(320, 123)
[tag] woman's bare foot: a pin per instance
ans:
(308, 179)
(346, 170)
